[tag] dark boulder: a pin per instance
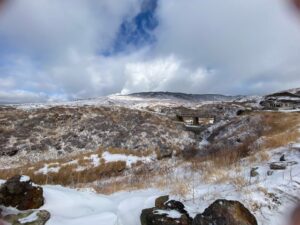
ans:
(224, 212)
(278, 166)
(166, 213)
(175, 205)
(253, 172)
(282, 158)
(19, 192)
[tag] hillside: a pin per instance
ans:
(63, 130)
(124, 148)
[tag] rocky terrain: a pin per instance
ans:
(68, 129)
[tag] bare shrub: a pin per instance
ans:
(180, 188)
(239, 182)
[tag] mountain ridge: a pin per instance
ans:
(185, 96)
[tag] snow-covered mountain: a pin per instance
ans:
(184, 97)
(137, 100)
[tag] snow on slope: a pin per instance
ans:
(270, 197)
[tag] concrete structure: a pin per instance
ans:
(195, 119)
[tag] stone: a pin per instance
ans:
(163, 217)
(224, 212)
(282, 158)
(166, 213)
(19, 192)
(282, 165)
(270, 172)
(253, 172)
(28, 218)
(278, 166)
(160, 202)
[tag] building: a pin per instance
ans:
(280, 103)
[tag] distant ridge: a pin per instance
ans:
(295, 92)
(184, 96)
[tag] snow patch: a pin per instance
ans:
(169, 213)
(297, 145)
(48, 169)
(129, 159)
(95, 160)
(31, 218)
(24, 178)
(203, 143)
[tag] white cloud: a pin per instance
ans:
(52, 48)
(164, 74)
(20, 96)
(242, 40)
(51, 28)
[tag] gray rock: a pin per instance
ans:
(278, 166)
(282, 165)
(253, 172)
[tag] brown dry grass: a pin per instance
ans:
(180, 188)
(283, 128)
(68, 173)
(280, 129)
(223, 158)
(68, 176)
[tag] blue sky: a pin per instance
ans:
(138, 31)
(52, 50)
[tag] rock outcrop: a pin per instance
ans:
(224, 212)
(166, 212)
(19, 192)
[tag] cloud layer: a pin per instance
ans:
(66, 49)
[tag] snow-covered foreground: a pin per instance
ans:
(72, 207)
(85, 207)
(269, 197)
